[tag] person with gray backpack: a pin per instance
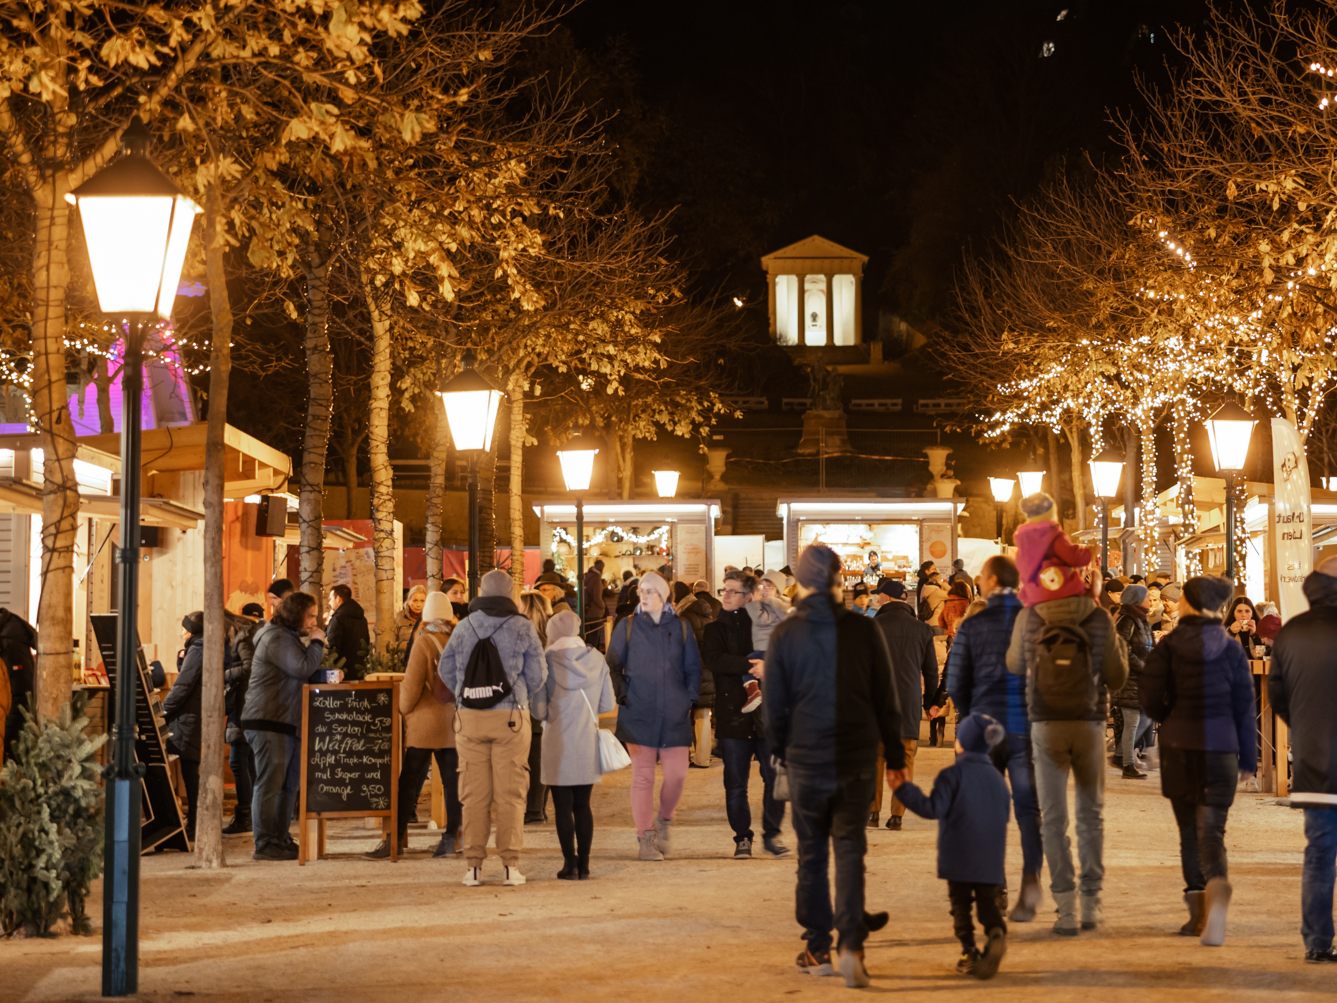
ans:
(1072, 658)
(494, 665)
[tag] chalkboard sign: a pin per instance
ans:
(350, 757)
(161, 824)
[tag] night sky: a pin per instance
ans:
(903, 130)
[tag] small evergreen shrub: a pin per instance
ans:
(51, 805)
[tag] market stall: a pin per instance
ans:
(633, 536)
(874, 536)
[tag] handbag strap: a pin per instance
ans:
(593, 716)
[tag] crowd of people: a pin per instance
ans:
(1050, 669)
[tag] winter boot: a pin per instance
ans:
(1028, 899)
(1066, 924)
(583, 865)
(1197, 914)
(646, 849)
(1090, 911)
(1217, 901)
(446, 847)
(569, 871)
(986, 967)
(662, 835)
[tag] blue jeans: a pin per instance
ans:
(242, 761)
(829, 813)
(1320, 870)
(1012, 756)
(738, 754)
(277, 777)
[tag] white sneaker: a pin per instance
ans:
(514, 877)
(472, 878)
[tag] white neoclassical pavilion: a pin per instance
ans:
(815, 289)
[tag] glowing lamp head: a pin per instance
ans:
(1002, 489)
(666, 483)
(136, 226)
(1229, 431)
(1032, 482)
(1106, 470)
(577, 459)
(471, 404)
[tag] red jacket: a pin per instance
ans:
(1050, 564)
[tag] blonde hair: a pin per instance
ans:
(538, 610)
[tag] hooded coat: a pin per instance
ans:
(578, 684)
(972, 804)
(1196, 683)
(1133, 626)
(281, 666)
(348, 635)
(766, 615)
(1303, 688)
(428, 707)
(698, 615)
(1050, 565)
(517, 644)
(660, 666)
(181, 709)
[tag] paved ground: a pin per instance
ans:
(698, 927)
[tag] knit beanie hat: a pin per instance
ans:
(776, 579)
(651, 581)
(680, 592)
(891, 588)
(496, 583)
(700, 585)
(193, 623)
(979, 732)
(437, 607)
(1208, 594)
(563, 624)
(1037, 506)
(1114, 586)
(818, 567)
(1133, 594)
(1171, 593)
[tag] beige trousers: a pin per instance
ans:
(702, 738)
(911, 747)
(494, 777)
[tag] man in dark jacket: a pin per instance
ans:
(979, 683)
(1303, 688)
(1130, 621)
(829, 700)
(181, 711)
(347, 633)
(18, 640)
(697, 615)
(595, 612)
(914, 664)
(725, 650)
(1068, 678)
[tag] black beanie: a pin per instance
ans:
(193, 623)
(818, 567)
(1208, 594)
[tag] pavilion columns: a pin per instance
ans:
(801, 331)
(830, 309)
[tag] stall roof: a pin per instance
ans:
(251, 466)
(608, 509)
(332, 537)
(26, 497)
(869, 508)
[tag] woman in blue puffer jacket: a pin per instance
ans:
(657, 675)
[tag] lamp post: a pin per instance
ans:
(666, 483)
(1002, 494)
(136, 224)
(1106, 469)
(1031, 481)
(1229, 431)
(577, 461)
(471, 404)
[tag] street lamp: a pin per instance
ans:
(666, 483)
(1002, 494)
(1228, 432)
(1106, 469)
(1032, 481)
(577, 461)
(471, 404)
(136, 225)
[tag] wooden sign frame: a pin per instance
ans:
(391, 827)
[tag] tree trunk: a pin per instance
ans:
(349, 444)
(1241, 491)
(1148, 518)
(209, 824)
(436, 502)
(487, 511)
(382, 476)
(316, 434)
(1077, 466)
(60, 491)
(106, 421)
(626, 454)
(515, 481)
(1188, 509)
(1056, 484)
(1132, 560)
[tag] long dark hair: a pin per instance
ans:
(292, 610)
(1235, 604)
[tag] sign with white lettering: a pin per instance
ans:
(350, 753)
(1292, 525)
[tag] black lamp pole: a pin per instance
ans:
(1104, 534)
(120, 889)
(473, 525)
(1230, 525)
(580, 562)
